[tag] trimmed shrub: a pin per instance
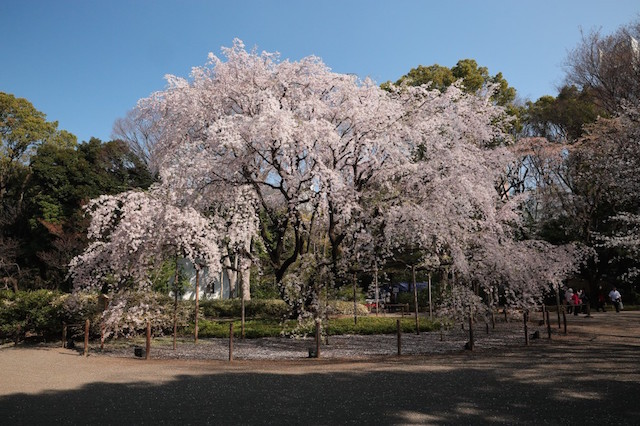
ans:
(274, 309)
(341, 307)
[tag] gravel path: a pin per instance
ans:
(338, 347)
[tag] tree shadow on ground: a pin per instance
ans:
(558, 385)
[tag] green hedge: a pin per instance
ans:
(30, 312)
(337, 326)
(258, 308)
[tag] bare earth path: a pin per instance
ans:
(590, 376)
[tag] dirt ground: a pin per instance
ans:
(589, 376)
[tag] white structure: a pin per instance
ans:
(211, 287)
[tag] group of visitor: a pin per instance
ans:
(578, 301)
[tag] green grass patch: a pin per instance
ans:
(337, 326)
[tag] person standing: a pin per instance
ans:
(575, 301)
(615, 297)
(601, 300)
(568, 300)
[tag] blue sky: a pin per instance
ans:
(85, 63)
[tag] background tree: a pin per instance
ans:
(561, 119)
(608, 66)
(474, 78)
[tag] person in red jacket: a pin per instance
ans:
(575, 301)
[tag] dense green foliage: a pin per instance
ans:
(472, 76)
(30, 312)
(45, 178)
(257, 308)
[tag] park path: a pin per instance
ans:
(589, 376)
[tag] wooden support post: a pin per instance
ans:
(564, 320)
(399, 332)
(548, 326)
(148, 346)
(17, 336)
(558, 304)
(86, 337)
(375, 280)
(487, 324)
(64, 335)
(242, 311)
(195, 330)
(525, 319)
(317, 339)
(544, 318)
(430, 302)
(493, 319)
(230, 341)
(355, 305)
(506, 319)
(101, 337)
(588, 309)
(415, 298)
(175, 305)
(470, 328)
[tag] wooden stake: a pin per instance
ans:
(195, 337)
(399, 332)
(430, 303)
(375, 280)
(415, 298)
(86, 338)
(355, 307)
(64, 335)
(242, 316)
(548, 325)
(230, 341)
(564, 320)
(558, 304)
(101, 337)
(470, 328)
(526, 328)
(175, 305)
(148, 346)
(317, 339)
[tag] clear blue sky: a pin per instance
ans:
(85, 63)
